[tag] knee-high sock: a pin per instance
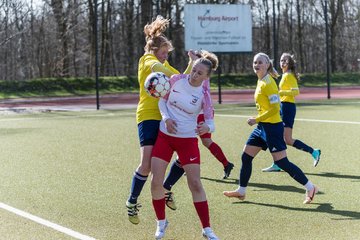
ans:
(137, 185)
(202, 210)
(246, 169)
(218, 153)
(159, 207)
(302, 146)
(175, 173)
(293, 170)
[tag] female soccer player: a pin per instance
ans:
(178, 132)
(176, 170)
(148, 115)
(288, 90)
(269, 132)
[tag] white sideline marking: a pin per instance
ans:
(44, 222)
(297, 119)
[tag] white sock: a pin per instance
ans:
(241, 190)
(309, 186)
(161, 222)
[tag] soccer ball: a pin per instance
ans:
(157, 84)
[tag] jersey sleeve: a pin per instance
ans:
(163, 109)
(168, 71)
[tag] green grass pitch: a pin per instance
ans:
(75, 168)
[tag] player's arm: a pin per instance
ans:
(163, 109)
(170, 124)
(292, 92)
(208, 108)
(294, 89)
(192, 57)
(165, 68)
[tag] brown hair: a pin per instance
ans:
(209, 56)
(291, 64)
(155, 39)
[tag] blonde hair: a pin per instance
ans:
(154, 35)
(271, 70)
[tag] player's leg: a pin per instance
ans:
(148, 131)
(158, 198)
(277, 148)
(175, 173)
(247, 157)
(161, 157)
(217, 152)
(288, 116)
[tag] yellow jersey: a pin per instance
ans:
(288, 88)
(147, 108)
(267, 100)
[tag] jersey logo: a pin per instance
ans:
(274, 98)
(192, 159)
(175, 91)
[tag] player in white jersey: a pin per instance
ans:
(188, 96)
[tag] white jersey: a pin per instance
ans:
(183, 105)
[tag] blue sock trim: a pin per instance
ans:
(137, 185)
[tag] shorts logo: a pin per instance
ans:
(273, 149)
(192, 159)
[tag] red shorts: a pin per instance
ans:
(187, 149)
(200, 119)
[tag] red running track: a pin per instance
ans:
(131, 99)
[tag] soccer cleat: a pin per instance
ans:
(316, 155)
(170, 201)
(160, 228)
(133, 209)
(234, 194)
(209, 234)
(272, 168)
(227, 170)
(309, 195)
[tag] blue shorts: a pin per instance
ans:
(148, 132)
(288, 112)
(268, 135)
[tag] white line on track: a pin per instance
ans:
(46, 223)
(297, 119)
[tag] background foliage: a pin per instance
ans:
(55, 38)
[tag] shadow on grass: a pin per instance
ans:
(262, 186)
(322, 208)
(335, 175)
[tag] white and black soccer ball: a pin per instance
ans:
(157, 84)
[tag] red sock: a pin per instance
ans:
(218, 153)
(202, 210)
(159, 207)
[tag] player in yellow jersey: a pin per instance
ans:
(148, 115)
(288, 90)
(269, 132)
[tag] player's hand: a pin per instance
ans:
(171, 126)
(192, 55)
(202, 128)
(251, 121)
